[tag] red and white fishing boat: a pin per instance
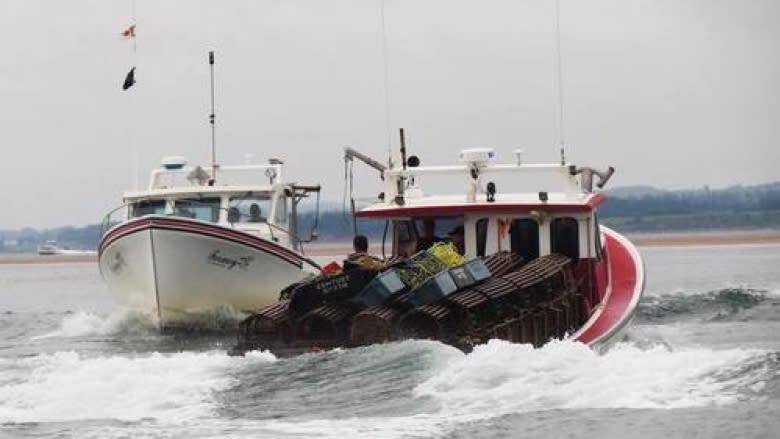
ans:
(190, 244)
(536, 264)
(531, 221)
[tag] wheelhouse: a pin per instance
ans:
(250, 198)
(483, 220)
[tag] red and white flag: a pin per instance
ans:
(129, 32)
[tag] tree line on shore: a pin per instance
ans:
(630, 209)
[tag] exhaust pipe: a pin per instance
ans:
(587, 176)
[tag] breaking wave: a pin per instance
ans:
(68, 386)
(126, 322)
(502, 378)
(400, 389)
(715, 305)
(83, 323)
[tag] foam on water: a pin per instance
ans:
(500, 378)
(83, 323)
(164, 394)
(66, 386)
(130, 322)
(717, 304)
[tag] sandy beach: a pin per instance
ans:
(671, 239)
(719, 237)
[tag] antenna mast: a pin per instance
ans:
(212, 118)
(386, 84)
(561, 138)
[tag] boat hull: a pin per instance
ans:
(625, 285)
(177, 270)
(527, 302)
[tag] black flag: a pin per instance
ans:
(129, 79)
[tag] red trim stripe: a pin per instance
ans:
(186, 226)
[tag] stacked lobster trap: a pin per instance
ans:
(435, 294)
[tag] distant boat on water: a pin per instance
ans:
(50, 247)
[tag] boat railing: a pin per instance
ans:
(163, 178)
(476, 166)
(110, 219)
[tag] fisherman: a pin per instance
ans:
(254, 214)
(234, 215)
(429, 237)
(457, 239)
(360, 257)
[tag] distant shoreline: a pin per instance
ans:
(340, 250)
(705, 238)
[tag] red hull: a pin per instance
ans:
(623, 289)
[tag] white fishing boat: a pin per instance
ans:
(190, 243)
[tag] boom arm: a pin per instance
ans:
(351, 154)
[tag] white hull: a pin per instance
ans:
(178, 269)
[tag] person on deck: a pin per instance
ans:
(234, 215)
(457, 239)
(360, 257)
(429, 235)
(255, 214)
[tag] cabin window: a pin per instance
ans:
(597, 236)
(434, 230)
(524, 238)
(250, 209)
(204, 209)
(148, 207)
(481, 227)
(281, 210)
(565, 237)
(405, 238)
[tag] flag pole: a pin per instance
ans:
(212, 118)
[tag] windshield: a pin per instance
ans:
(148, 207)
(249, 209)
(204, 209)
(418, 234)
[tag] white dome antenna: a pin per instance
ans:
(173, 162)
(477, 156)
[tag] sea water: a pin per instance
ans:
(702, 359)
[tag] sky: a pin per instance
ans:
(674, 94)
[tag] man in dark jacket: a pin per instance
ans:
(360, 257)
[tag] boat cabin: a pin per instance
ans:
(558, 217)
(252, 198)
(529, 223)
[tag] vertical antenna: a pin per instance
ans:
(561, 130)
(212, 118)
(403, 148)
(387, 86)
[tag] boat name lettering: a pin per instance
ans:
(117, 264)
(215, 258)
(333, 284)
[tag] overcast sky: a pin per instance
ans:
(672, 93)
